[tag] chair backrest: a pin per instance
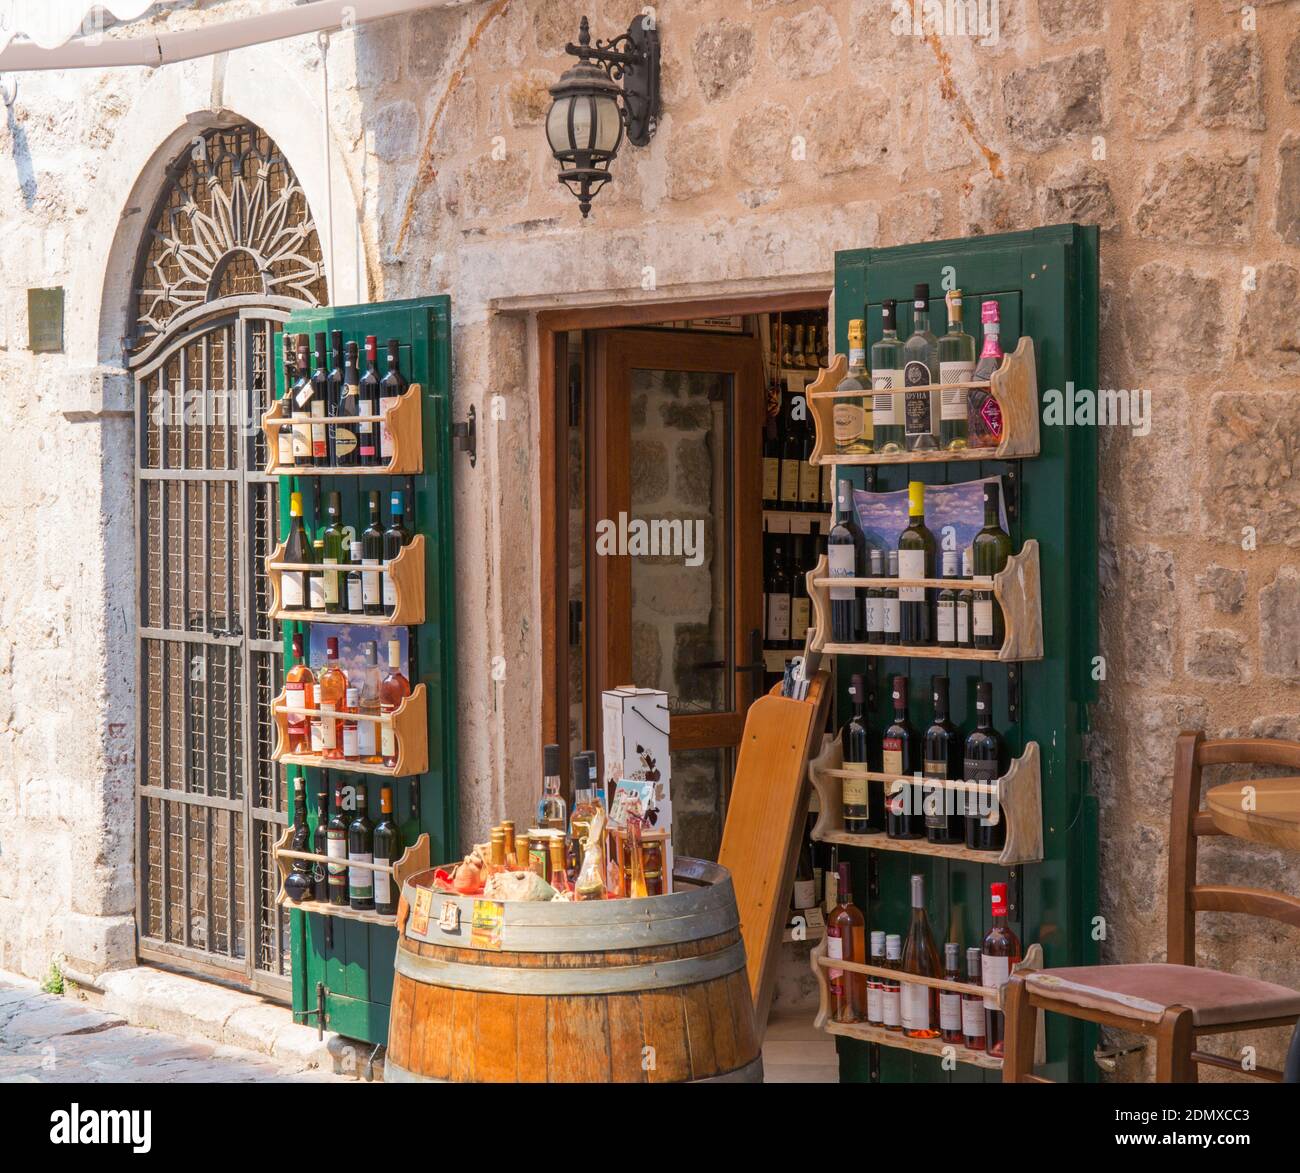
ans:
(1189, 821)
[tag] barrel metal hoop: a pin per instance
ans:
(606, 979)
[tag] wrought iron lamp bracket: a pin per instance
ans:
(633, 60)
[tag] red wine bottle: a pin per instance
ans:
(984, 760)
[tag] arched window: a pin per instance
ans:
(230, 251)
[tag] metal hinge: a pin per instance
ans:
(1011, 493)
(1013, 691)
(464, 435)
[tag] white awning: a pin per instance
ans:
(51, 28)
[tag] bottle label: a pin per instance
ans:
(963, 623)
(911, 564)
(841, 563)
(891, 1009)
(291, 588)
(336, 847)
(385, 436)
(355, 602)
(949, 1011)
(383, 882)
(934, 799)
(893, 616)
(331, 583)
(835, 951)
(790, 481)
(886, 409)
(365, 429)
(875, 614)
(317, 736)
(855, 792)
(810, 483)
(350, 750)
(771, 478)
(371, 592)
(805, 893)
(284, 446)
(359, 883)
(875, 997)
(800, 617)
(850, 421)
(316, 592)
(984, 616)
(990, 414)
(892, 756)
(994, 973)
(328, 727)
(387, 738)
(390, 591)
(295, 696)
(345, 442)
(366, 739)
(919, 412)
(778, 618)
(301, 443)
(916, 1006)
(953, 402)
(946, 621)
(972, 1018)
(319, 435)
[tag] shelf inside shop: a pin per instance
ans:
(795, 521)
(1014, 385)
(1015, 589)
(410, 723)
(1019, 802)
(414, 859)
(406, 572)
(402, 420)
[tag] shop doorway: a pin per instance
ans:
(653, 453)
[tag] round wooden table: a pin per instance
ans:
(1271, 816)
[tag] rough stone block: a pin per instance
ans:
(1279, 626)
(96, 943)
(1219, 656)
(1055, 100)
(1225, 586)
(1269, 335)
(1291, 78)
(490, 186)
(759, 151)
(723, 55)
(396, 129)
(528, 98)
(434, 35)
(914, 216)
(1253, 447)
(995, 202)
(807, 44)
(1286, 221)
(649, 471)
(1079, 192)
(693, 159)
(1159, 55)
(1232, 83)
(1199, 197)
(847, 129)
(1174, 320)
(1063, 20)
(1150, 610)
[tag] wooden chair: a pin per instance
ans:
(1175, 1003)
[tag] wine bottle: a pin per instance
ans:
(874, 604)
(368, 703)
(388, 850)
(361, 850)
(857, 791)
(956, 365)
(916, 548)
(284, 435)
(972, 1005)
(393, 690)
(889, 603)
(847, 555)
(920, 1003)
(950, 1000)
(299, 698)
(395, 537)
(965, 604)
(921, 406)
(810, 349)
(791, 450)
(320, 846)
(945, 605)
(804, 895)
(372, 554)
(846, 941)
(850, 415)
(316, 578)
(771, 465)
(336, 839)
(875, 983)
(300, 405)
(887, 429)
(777, 624)
(998, 954)
(983, 412)
(391, 388)
(337, 550)
(990, 549)
(331, 693)
(787, 347)
(351, 730)
(368, 404)
(320, 380)
(800, 610)
(334, 401)
(354, 586)
(810, 475)
(891, 1001)
(943, 762)
(796, 354)
(297, 884)
(346, 451)
(297, 548)
(984, 760)
(901, 758)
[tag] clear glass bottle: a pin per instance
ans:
(916, 550)
(552, 810)
(920, 1003)
(972, 1005)
(990, 549)
(891, 1007)
(921, 407)
(998, 954)
(950, 1000)
(875, 983)
(983, 412)
(890, 605)
(956, 365)
(945, 605)
(851, 414)
(886, 384)
(845, 941)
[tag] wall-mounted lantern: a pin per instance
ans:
(592, 110)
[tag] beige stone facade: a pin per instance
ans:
(791, 129)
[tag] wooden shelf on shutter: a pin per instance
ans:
(1019, 794)
(402, 419)
(410, 722)
(414, 859)
(1016, 589)
(1014, 385)
(406, 572)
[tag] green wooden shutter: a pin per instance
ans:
(1045, 282)
(356, 965)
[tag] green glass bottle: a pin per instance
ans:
(337, 550)
(990, 549)
(956, 365)
(886, 385)
(850, 414)
(297, 548)
(916, 550)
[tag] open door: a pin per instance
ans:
(674, 548)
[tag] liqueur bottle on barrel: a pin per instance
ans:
(552, 811)
(984, 760)
(950, 1000)
(390, 391)
(956, 365)
(999, 952)
(983, 412)
(901, 758)
(361, 850)
(368, 404)
(888, 435)
(921, 400)
(846, 941)
(943, 761)
(864, 806)
(850, 414)
(920, 1003)
(990, 549)
(916, 549)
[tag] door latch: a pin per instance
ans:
(465, 435)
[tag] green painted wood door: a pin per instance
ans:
(352, 959)
(1046, 284)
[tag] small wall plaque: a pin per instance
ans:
(45, 320)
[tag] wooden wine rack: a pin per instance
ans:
(410, 722)
(414, 859)
(402, 419)
(821, 964)
(1019, 795)
(1014, 385)
(1015, 589)
(406, 571)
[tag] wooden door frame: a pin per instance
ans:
(553, 426)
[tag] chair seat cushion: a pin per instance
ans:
(1144, 992)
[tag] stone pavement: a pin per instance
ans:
(49, 1039)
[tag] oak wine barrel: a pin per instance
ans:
(603, 991)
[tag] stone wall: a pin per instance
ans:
(791, 129)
